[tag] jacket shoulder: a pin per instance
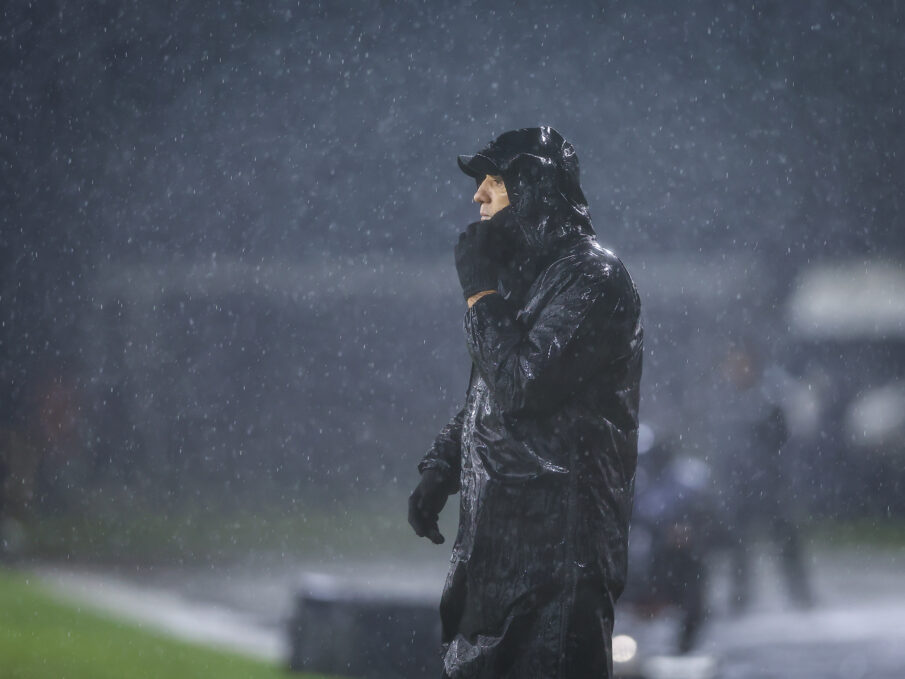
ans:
(593, 265)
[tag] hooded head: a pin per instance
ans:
(540, 170)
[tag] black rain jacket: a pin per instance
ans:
(543, 453)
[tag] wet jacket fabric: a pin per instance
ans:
(543, 452)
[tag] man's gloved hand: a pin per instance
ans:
(425, 504)
(482, 250)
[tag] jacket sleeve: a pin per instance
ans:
(586, 324)
(445, 455)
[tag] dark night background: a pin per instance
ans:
(226, 274)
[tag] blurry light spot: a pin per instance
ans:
(624, 648)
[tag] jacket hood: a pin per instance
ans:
(540, 171)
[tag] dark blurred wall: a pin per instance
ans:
(308, 150)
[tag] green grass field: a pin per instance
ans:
(42, 637)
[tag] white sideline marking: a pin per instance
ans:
(166, 612)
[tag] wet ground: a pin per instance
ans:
(856, 630)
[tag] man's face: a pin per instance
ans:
(491, 196)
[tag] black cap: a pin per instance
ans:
(477, 166)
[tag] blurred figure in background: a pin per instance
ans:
(4, 472)
(39, 449)
(671, 535)
(754, 476)
(55, 430)
(19, 459)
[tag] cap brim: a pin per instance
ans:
(477, 166)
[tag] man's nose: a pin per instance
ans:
(480, 195)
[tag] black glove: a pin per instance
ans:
(482, 250)
(425, 504)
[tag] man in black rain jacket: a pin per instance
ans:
(543, 453)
